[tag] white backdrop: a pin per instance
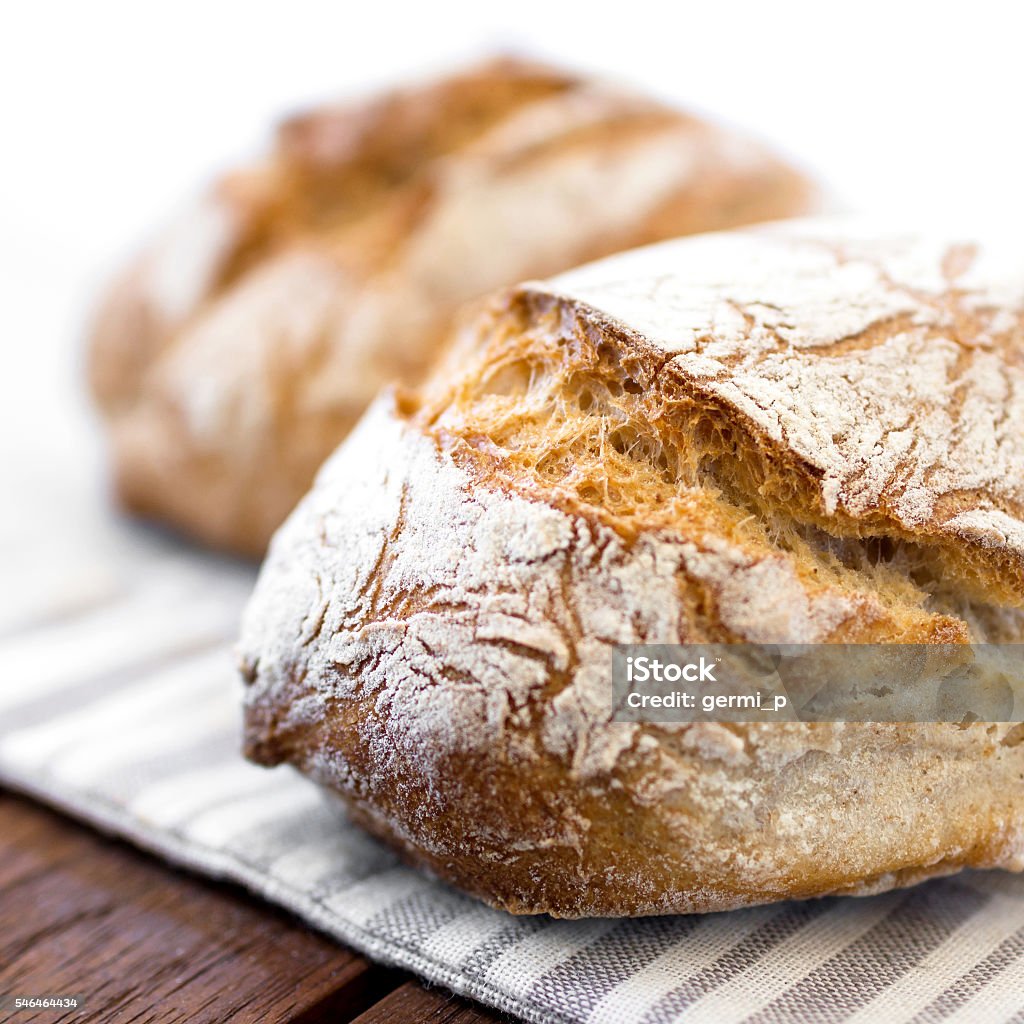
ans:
(113, 112)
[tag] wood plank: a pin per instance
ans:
(412, 1003)
(138, 942)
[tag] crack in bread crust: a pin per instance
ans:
(877, 394)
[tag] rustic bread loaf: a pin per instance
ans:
(235, 355)
(792, 434)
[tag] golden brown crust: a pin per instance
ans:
(431, 633)
(222, 395)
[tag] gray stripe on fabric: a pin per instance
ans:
(574, 988)
(739, 959)
(1009, 954)
(478, 963)
(125, 783)
(82, 694)
(880, 957)
(322, 828)
(149, 629)
(361, 861)
(174, 803)
(414, 919)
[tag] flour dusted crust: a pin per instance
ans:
(809, 433)
(235, 355)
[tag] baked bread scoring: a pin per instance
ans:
(232, 358)
(794, 434)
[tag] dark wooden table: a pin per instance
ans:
(139, 942)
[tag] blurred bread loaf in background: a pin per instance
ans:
(234, 355)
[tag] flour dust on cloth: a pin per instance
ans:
(119, 704)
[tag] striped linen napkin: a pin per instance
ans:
(119, 704)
